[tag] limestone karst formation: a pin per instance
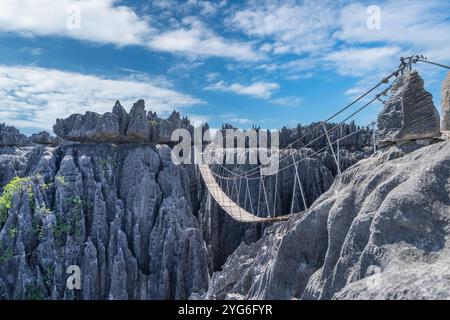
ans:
(44, 138)
(119, 126)
(141, 227)
(409, 114)
(445, 126)
(10, 136)
(380, 232)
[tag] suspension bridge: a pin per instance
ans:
(231, 191)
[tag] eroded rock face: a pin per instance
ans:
(409, 114)
(123, 214)
(306, 135)
(380, 232)
(44, 138)
(118, 126)
(10, 136)
(223, 235)
(446, 104)
(139, 226)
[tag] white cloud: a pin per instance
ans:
(183, 68)
(196, 39)
(360, 61)
(233, 118)
(212, 76)
(34, 97)
(197, 119)
(106, 22)
(290, 101)
(32, 51)
(262, 90)
(101, 21)
(421, 26)
(293, 27)
(322, 31)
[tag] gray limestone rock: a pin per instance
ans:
(310, 135)
(409, 114)
(223, 235)
(139, 226)
(139, 127)
(380, 232)
(119, 127)
(10, 136)
(44, 138)
(143, 228)
(446, 104)
(121, 213)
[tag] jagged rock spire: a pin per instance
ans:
(11, 136)
(118, 126)
(409, 114)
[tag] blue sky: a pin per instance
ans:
(270, 63)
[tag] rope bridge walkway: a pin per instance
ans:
(231, 190)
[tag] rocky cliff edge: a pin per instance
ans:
(380, 232)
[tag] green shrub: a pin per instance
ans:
(44, 186)
(13, 232)
(61, 229)
(17, 184)
(61, 180)
(5, 254)
(34, 292)
(44, 211)
(106, 163)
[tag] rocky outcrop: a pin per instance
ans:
(380, 232)
(119, 127)
(138, 226)
(10, 136)
(223, 235)
(409, 114)
(122, 213)
(312, 135)
(446, 104)
(44, 138)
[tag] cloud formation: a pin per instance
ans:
(101, 21)
(106, 22)
(197, 40)
(332, 35)
(361, 61)
(261, 29)
(262, 90)
(290, 101)
(292, 26)
(34, 97)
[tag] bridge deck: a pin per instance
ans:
(227, 204)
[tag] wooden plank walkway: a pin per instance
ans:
(228, 205)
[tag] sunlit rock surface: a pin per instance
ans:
(380, 232)
(118, 126)
(45, 138)
(10, 136)
(137, 225)
(120, 213)
(409, 114)
(446, 104)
